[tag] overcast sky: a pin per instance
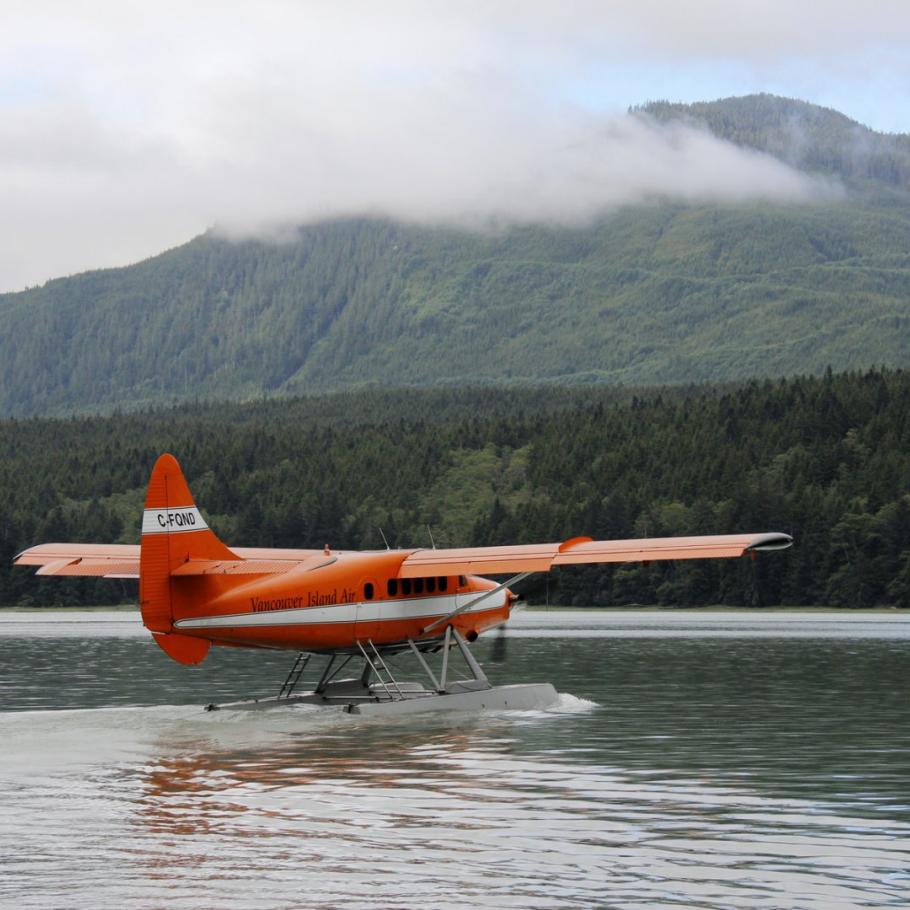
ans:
(126, 128)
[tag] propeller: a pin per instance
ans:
(498, 654)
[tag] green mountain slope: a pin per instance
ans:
(651, 294)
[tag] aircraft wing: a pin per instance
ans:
(106, 560)
(122, 560)
(579, 550)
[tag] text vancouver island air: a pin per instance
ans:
(312, 599)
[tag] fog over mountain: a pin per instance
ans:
(709, 287)
(566, 170)
(124, 130)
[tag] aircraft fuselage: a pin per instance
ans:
(333, 601)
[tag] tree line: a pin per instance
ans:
(826, 459)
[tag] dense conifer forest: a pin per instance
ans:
(826, 459)
(649, 294)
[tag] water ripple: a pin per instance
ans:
(689, 773)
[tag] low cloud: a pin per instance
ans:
(123, 132)
(498, 171)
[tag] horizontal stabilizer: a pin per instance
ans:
(122, 560)
(104, 568)
(251, 566)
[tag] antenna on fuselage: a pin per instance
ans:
(430, 532)
(384, 540)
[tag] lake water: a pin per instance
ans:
(717, 760)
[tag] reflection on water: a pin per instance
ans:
(682, 770)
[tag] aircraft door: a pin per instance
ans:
(464, 594)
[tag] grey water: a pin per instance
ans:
(709, 760)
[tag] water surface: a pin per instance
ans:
(694, 760)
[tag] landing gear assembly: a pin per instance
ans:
(376, 691)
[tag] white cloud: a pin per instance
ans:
(125, 128)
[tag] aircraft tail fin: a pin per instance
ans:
(173, 532)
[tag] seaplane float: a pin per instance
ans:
(360, 611)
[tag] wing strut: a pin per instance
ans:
(444, 619)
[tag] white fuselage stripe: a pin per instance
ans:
(370, 611)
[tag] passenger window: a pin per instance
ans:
(418, 586)
(368, 591)
(462, 581)
(443, 584)
(431, 586)
(406, 586)
(393, 587)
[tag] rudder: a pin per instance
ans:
(173, 531)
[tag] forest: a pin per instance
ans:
(658, 293)
(826, 459)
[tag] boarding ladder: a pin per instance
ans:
(381, 670)
(303, 658)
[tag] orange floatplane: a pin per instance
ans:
(360, 606)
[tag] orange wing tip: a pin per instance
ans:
(183, 648)
(574, 542)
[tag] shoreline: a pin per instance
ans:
(638, 608)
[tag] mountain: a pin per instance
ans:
(807, 136)
(663, 293)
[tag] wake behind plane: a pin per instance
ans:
(358, 609)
